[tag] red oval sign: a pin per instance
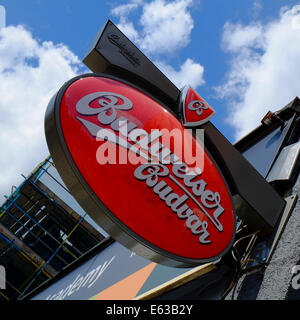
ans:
(106, 138)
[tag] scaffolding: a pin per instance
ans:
(40, 234)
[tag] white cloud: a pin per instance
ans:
(256, 9)
(129, 30)
(190, 73)
(30, 73)
(125, 25)
(264, 70)
(2, 16)
(166, 28)
(237, 37)
(166, 25)
(125, 9)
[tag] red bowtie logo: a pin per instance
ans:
(195, 110)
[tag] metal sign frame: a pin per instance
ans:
(86, 197)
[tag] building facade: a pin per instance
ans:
(258, 266)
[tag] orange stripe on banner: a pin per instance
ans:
(127, 288)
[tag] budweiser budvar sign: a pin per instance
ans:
(138, 172)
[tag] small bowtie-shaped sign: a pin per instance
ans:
(195, 110)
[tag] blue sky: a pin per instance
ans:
(242, 56)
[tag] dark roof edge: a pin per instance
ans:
(285, 113)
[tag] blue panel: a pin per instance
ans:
(262, 154)
(108, 267)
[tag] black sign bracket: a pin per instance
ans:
(257, 203)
